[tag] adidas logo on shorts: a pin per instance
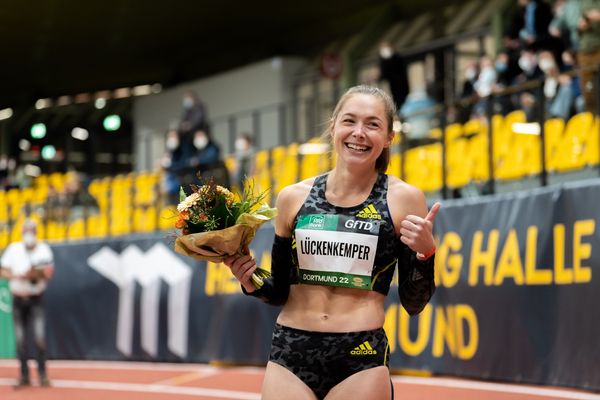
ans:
(369, 212)
(364, 349)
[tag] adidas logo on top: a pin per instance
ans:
(363, 350)
(369, 212)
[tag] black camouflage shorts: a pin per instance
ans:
(323, 359)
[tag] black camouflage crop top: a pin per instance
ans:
(353, 247)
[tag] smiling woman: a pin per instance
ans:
(338, 238)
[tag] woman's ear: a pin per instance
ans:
(390, 139)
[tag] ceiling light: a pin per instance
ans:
(100, 103)
(38, 130)
(48, 152)
(42, 103)
(80, 133)
(142, 90)
(24, 145)
(6, 113)
(111, 122)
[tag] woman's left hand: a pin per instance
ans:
(417, 232)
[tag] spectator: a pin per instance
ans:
(194, 115)
(484, 85)
(28, 265)
(79, 202)
(393, 69)
(206, 162)
(172, 156)
(418, 111)
(176, 162)
(244, 157)
(569, 63)
(506, 71)
(589, 52)
(468, 96)
(564, 25)
(557, 87)
(537, 15)
(525, 100)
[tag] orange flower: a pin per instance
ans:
(180, 223)
(184, 215)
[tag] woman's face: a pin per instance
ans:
(360, 130)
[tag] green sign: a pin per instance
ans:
(7, 337)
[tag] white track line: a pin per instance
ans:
(145, 388)
(495, 387)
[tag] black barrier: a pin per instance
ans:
(515, 299)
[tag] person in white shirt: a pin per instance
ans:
(28, 265)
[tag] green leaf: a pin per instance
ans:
(182, 195)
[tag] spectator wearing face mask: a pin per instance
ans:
(194, 116)
(468, 95)
(484, 85)
(175, 164)
(506, 70)
(244, 159)
(206, 162)
(557, 87)
(28, 265)
(393, 69)
(530, 71)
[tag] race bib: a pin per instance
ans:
(336, 250)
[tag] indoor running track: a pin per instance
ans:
(98, 380)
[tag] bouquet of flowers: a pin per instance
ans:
(214, 225)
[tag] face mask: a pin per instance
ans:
(188, 103)
(172, 143)
(550, 87)
(386, 52)
(29, 239)
(501, 66)
(200, 142)
(240, 145)
(546, 65)
(488, 74)
(470, 74)
(526, 64)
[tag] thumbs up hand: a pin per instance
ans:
(417, 233)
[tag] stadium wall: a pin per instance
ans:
(515, 297)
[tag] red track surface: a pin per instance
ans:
(89, 380)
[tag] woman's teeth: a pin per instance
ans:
(356, 147)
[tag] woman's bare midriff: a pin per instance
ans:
(332, 309)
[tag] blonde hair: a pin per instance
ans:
(381, 164)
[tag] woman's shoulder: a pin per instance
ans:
(398, 187)
(404, 197)
(296, 191)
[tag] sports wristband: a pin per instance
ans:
(425, 256)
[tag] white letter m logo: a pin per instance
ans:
(148, 269)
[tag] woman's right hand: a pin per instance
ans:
(242, 268)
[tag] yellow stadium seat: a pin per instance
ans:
(167, 218)
(3, 208)
(553, 131)
(571, 150)
(592, 150)
(395, 166)
(4, 236)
